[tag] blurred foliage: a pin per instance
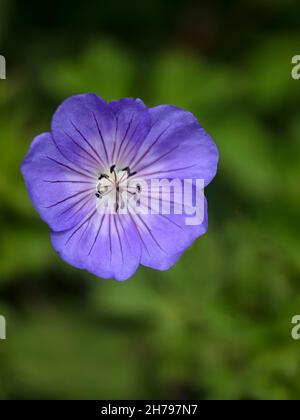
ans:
(216, 325)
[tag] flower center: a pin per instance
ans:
(111, 187)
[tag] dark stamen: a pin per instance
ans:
(127, 169)
(112, 168)
(103, 176)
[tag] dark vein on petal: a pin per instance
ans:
(94, 160)
(75, 204)
(172, 221)
(81, 208)
(90, 145)
(122, 141)
(97, 234)
(139, 233)
(66, 157)
(85, 229)
(66, 182)
(149, 148)
(86, 160)
(70, 168)
(165, 217)
(67, 198)
(115, 142)
(151, 234)
(126, 156)
(157, 160)
(101, 138)
(84, 168)
(120, 242)
(159, 198)
(109, 235)
(170, 170)
(124, 231)
(82, 224)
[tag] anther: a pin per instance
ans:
(112, 168)
(103, 176)
(127, 169)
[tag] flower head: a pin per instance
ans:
(96, 180)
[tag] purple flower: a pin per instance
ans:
(96, 152)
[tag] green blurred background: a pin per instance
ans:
(218, 324)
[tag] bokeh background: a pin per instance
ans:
(218, 324)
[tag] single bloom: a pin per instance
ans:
(91, 180)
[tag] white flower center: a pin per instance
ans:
(113, 187)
